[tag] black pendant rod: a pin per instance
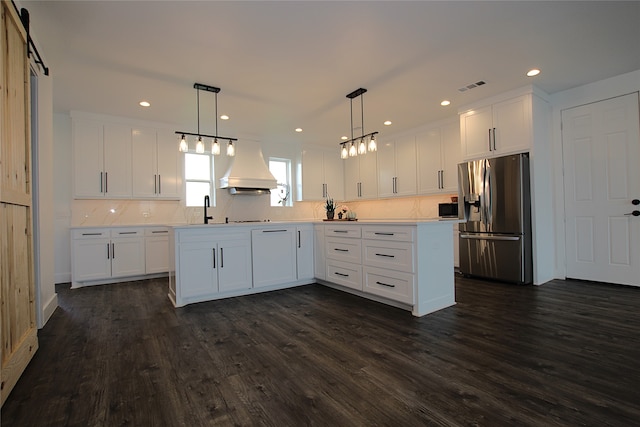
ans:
(355, 94)
(198, 87)
(198, 103)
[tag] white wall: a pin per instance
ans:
(586, 94)
(62, 188)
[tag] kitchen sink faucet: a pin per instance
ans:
(207, 204)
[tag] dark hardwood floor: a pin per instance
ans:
(563, 354)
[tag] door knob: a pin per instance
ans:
(634, 213)
(635, 202)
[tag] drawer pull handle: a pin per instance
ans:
(340, 231)
(385, 255)
(384, 234)
(273, 231)
(385, 284)
(162, 231)
(341, 250)
(128, 232)
(341, 274)
(92, 234)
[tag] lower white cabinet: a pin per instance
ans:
(304, 252)
(156, 250)
(319, 263)
(394, 285)
(102, 254)
(211, 263)
(274, 256)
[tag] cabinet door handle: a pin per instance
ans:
(385, 255)
(341, 274)
(213, 253)
(490, 140)
(341, 250)
(159, 184)
(299, 240)
(106, 182)
(155, 184)
(92, 234)
(273, 231)
(494, 139)
(221, 258)
(101, 182)
(385, 284)
(108, 255)
(113, 251)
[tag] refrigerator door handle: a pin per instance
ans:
(481, 237)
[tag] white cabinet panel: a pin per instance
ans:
(322, 175)
(319, 265)
(391, 255)
(117, 161)
(127, 256)
(438, 151)
(156, 169)
(304, 252)
(344, 273)
(361, 177)
(156, 251)
(88, 158)
(344, 249)
(397, 167)
(198, 269)
(91, 259)
(274, 256)
(394, 285)
(234, 271)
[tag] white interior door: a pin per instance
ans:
(601, 149)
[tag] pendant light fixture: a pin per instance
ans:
(215, 145)
(365, 142)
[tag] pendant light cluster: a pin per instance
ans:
(363, 143)
(215, 144)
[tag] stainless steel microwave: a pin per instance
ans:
(448, 210)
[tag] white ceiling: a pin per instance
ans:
(289, 64)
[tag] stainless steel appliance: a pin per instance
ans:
(448, 210)
(495, 200)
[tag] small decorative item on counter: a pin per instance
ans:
(342, 212)
(454, 199)
(330, 207)
(351, 216)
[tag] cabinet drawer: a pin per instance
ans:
(389, 284)
(344, 249)
(398, 234)
(90, 233)
(127, 232)
(342, 231)
(394, 255)
(156, 231)
(345, 274)
(203, 234)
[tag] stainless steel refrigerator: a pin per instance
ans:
(495, 200)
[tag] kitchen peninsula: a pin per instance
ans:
(404, 263)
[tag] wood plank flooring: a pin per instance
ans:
(563, 354)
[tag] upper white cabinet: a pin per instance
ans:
(497, 129)
(102, 159)
(156, 166)
(361, 177)
(397, 169)
(438, 153)
(322, 175)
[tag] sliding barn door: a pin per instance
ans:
(18, 333)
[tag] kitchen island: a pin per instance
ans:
(404, 263)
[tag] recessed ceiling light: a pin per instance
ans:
(298, 129)
(344, 138)
(145, 104)
(224, 117)
(387, 123)
(533, 72)
(445, 103)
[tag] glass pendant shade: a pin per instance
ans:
(231, 150)
(200, 146)
(352, 150)
(372, 144)
(215, 147)
(344, 153)
(362, 148)
(184, 147)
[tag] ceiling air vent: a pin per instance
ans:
(471, 86)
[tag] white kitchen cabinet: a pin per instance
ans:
(102, 159)
(274, 256)
(397, 169)
(438, 153)
(497, 129)
(156, 165)
(322, 175)
(156, 250)
(319, 264)
(304, 252)
(361, 177)
(100, 254)
(211, 262)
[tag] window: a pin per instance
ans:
(281, 170)
(198, 177)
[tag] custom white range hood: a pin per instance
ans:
(248, 174)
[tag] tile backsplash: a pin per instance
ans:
(237, 208)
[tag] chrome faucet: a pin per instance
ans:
(207, 204)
